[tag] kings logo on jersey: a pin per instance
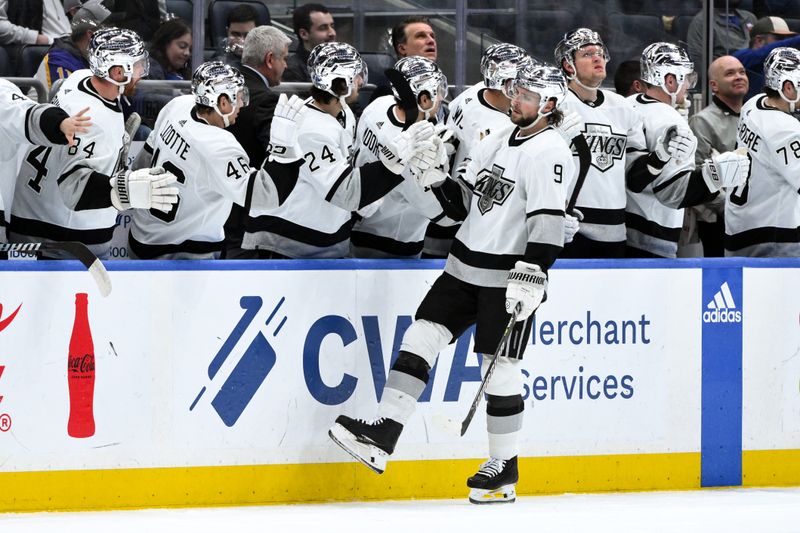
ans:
(492, 188)
(605, 145)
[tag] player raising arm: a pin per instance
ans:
(497, 266)
(73, 193)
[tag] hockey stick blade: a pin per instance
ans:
(584, 160)
(407, 99)
(76, 249)
(489, 370)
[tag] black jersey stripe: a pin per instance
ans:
(386, 244)
(609, 217)
(483, 259)
(298, 233)
(37, 228)
(648, 227)
(763, 235)
(151, 251)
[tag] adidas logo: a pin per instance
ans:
(379, 124)
(467, 100)
(722, 308)
(182, 122)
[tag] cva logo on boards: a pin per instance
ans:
(722, 308)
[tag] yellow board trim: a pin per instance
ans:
(770, 468)
(269, 484)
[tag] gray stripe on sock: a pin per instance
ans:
(405, 383)
(503, 424)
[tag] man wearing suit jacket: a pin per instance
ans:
(263, 62)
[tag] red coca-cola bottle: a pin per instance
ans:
(80, 372)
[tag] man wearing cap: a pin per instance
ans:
(767, 34)
(68, 54)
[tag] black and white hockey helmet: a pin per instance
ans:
(330, 61)
(118, 47)
(214, 79)
(661, 59)
(782, 65)
(423, 76)
(575, 40)
(500, 63)
(545, 80)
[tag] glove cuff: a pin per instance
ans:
(711, 175)
(120, 197)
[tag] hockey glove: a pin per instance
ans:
(421, 164)
(283, 146)
(146, 188)
(526, 287)
(397, 154)
(729, 169)
(572, 224)
(678, 143)
(571, 126)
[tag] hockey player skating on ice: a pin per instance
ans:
(73, 193)
(316, 219)
(190, 140)
(397, 227)
(498, 264)
(762, 216)
(28, 123)
(654, 212)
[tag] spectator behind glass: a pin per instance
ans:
(241, 20)
(767, 34)
(32, 21)
(731, 31)
(68, 54)
(171, 51)
(313, 24)
(414, 37)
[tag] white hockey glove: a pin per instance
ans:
(448, 137)
(526, 287)
(678, 143)
(572, 224)
(146, 188)
(571, 126)
(283, 146)
(422, 164)
(729, 169)
(397, 154)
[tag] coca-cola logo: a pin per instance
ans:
(81, 363)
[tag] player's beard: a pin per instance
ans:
(522, 121)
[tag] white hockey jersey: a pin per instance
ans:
(52, 200)
(15, 132)
(762, 217)
(613, 131)
(472, 118)
(396, 228)
(653, 227)
(213, 173)
(517, 207)
(316, 219)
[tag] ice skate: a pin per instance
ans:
(495, 482)
(371, 442)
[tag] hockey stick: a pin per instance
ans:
(407, 99)
(584, 160)
(131, 126)
(76, 249)
(452, 425)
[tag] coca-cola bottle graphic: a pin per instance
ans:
(80, 372)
